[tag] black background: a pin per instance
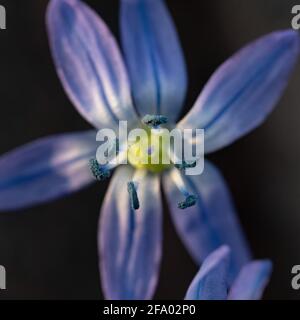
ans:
(50, 251)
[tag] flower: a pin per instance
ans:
(212, 280)
(237, 98)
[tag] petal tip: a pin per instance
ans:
(288, 37)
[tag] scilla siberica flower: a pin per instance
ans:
(237, 98)
(212, 282)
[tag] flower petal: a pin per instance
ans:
(244, 90)
(89, 63)
(130, 242)
(212, 222)
(211, 281)
(251, 281)
(154, 57)
(45, 169)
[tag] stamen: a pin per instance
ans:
(154, 121)
(190, 199)
(181, 164)
(132, 186)
(185, 165)
(99, 172)
(188, 202)
(134, 200)
(117, 143)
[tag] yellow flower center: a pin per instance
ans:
(151, 151)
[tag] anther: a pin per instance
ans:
(154, 121)
(190, 201)
(100, 173)
(134, 200)
(186, 165)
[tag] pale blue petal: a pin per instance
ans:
(211, 282)
(89, 63)
(212, 222)
(244, 90)
(154, 57)
(130, 242)
(46, 169)
(251, 281)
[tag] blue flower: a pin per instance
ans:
(237, 98)
(212, 281)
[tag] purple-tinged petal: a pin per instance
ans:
(46, 169)
(130, 242)
(154, 57)
(89, 63)
(212, 222)
(251, 281)
(211, 281)
(244, 90)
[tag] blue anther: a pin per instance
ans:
(117, 143)
(100, 173)
(134, 200)
(188, 202)
(154, 121)
(185, 165)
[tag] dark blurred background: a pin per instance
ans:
(50, 251)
